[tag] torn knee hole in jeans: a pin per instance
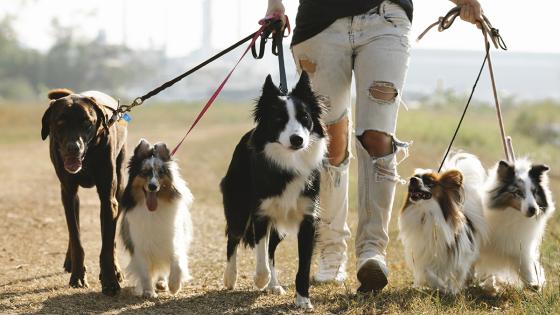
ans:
(307, 65)
(386, 166)
(383, 92)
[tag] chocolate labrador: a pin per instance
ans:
(86, 152)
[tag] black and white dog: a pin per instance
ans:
(272, 185)
(518, 205)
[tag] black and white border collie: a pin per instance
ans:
(518, 205)
(442, 225)
(156, 226)
(272, 185)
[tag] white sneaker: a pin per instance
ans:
(331, 267)
(372, 275)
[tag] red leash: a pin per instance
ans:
(219, 89)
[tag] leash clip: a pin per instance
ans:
(122, 110)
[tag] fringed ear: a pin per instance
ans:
(45, 123)
(58, 93)
(451, 179)
(161, 151)
(269, 95)
(537, 171)
(143, 148)
(506, 172)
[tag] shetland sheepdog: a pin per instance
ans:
(272, 185)
(442, 226)
(156, 226)
(518, 203)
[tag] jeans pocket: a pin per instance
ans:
(394, 14)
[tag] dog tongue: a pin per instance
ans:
(151, 200)
(72, 165)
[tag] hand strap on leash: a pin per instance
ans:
(488, 30)
(277, 31)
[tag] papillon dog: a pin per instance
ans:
(518, 203)
(272, 185)
(156, 227)
(442, 226)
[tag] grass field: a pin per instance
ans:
(33, 234)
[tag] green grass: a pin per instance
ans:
(39, 286)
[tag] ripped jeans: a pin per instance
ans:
(374, 47)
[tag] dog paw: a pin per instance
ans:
(149, 294)
(78, 281)
(230, 278)
(303, 303)
(262, 279)
(174, 285)
(161, 285)
(276, 289)
(535, 287)
(110, 282)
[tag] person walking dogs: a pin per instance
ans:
(333, 40)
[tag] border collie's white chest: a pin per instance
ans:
(288, 209)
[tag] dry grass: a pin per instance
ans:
(34, 237)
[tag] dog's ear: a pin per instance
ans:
(304, 91)
(452, 179)
(537, 171)
(269, 96)
(45, 123)
(161, 151)
(58, 93)
(505, 171)
(143, 148)
(101, 119)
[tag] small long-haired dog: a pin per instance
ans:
(518, 205)
(156, 226)
(442, 226)
(272, 184)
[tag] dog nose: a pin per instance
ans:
(414, 182)
(152, 186)
(296, 141)
(531, 211)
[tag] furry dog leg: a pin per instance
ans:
(274, 285)
(262, 276)
(306, 242)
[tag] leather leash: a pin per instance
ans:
(488, 31)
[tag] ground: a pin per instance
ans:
(34, 237)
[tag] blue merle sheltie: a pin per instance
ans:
(155, 223)
(518, 203)
(272, 185)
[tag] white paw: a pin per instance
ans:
(174, 284)
(150, 294)
(276, 289)
(230, 278)
(262, 279)
(303, 302)
(161, 285)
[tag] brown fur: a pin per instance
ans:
(73, 118)
(448, 191)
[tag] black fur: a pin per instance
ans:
(252, 177)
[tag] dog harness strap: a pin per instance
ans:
(445, 22)
(219, 89)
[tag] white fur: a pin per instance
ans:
(293, 127)
(427, 236)
(161, 241)
(512, 254)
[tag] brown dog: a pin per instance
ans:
(86, 152)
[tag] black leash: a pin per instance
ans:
(123, 109)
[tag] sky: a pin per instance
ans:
(176, 25)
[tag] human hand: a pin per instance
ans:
(470, 11)
(275, 7)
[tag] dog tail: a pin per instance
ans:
(58, 93)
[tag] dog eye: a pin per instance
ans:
(305, 119)
(145, 173)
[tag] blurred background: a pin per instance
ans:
(127, 47)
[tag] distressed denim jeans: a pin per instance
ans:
(374, 47)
